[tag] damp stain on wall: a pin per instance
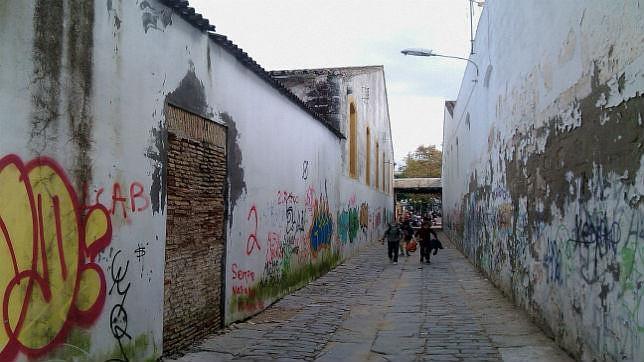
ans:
(47, 60)
(190, 95)
(235, 170)
(157, 153)
(80, 39)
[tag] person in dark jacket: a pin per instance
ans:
(393, 234)
(426, 242)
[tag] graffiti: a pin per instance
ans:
(310, 199)
(133, 202)
(139, 252)
(286, 198)
(322, 225)
(118, 315)
(242, 278)
(49, 280)
(596, 238)
(252, 242)
(378, 219)
(305, 170)
(246, 276)
(274, 251)
(348, 225)
(294, 220)
(552, 262)
(243, 290)
(364, 216)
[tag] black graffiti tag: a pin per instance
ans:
(118, 315)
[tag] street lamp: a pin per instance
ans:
(421, 52)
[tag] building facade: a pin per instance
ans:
(156, 183)
(543, 168)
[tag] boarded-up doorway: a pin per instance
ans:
(195, 240)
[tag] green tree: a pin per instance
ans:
(425, 161)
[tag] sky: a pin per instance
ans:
(301, 34)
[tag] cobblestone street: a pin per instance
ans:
(370, 310)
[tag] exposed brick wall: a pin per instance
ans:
(195, 238)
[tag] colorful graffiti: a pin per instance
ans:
(50, 282)
(321, 230)
(348, 225)
(364, 216)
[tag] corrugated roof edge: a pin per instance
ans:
(182, 7)
(251, 64)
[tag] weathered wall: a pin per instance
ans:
(294, 214)
(543, 168)
(83, 164)
(82, 188)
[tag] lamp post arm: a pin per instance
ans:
(449, 56)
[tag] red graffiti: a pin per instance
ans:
(49, 281)
(310, 198)
(286, 198)
(252, 242)
(250, 306)
(243, 290)
(274, 252)
(134, 201)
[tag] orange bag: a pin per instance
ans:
(411, 246)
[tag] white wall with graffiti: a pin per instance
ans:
(544, 170)
(82, 177)
(294, 213)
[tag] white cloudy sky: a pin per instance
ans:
(296, 34)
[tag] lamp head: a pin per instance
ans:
(419, 52)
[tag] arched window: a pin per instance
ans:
(353, 143)
(368, 157)
(377, 163)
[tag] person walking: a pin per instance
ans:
(408, 234)
(425, 235)
(393, 234)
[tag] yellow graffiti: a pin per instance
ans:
(49, 281)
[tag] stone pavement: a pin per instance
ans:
(370, 310)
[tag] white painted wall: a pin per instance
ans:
(541, 188)
(134, 68)
(291, 163)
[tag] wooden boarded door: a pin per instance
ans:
(195, 236)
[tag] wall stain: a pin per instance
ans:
(157, 152)
(611, 140)
(235, 171)
(80, 34)
(191, 95)
(47, 59)
(154, 19)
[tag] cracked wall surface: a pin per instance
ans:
(84, 145)
(543, 188)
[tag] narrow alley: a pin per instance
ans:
(367, 309)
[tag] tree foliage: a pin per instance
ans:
(425, 161)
